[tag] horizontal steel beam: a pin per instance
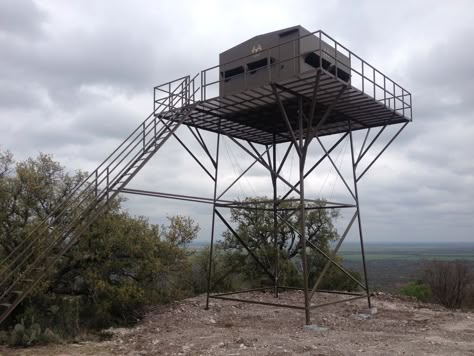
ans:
(258, 302)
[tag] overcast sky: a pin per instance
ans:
(76, 77)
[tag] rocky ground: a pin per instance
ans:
(400, 327)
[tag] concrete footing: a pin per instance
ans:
(366, 314)
(314, 328)
(371, 311)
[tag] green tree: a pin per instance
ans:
(119, 264)
(29, 191)
(6, 162)
(123, 263)
(255, 226)
(181, 230)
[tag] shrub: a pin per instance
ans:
(449, 281)
(26, 334)
(225, 268)
(418, 290)
(469, 300)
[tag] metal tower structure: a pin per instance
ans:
(289, 89)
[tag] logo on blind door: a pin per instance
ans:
(256, 48)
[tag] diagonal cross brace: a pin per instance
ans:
(257, 159)
(382, 151)
(262, 162)
(330, 259)
(337, 169)
(286, 119)
(294, 186)
(314, 132)
(244, 244)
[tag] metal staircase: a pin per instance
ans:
(23, 269)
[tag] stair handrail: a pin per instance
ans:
(74, 227)
(60, 232)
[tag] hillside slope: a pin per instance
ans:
(233, 328)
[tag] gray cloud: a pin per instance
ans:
(20, 18)
(76, 78)
(15, 94)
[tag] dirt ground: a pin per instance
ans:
(399, 327)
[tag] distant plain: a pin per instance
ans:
(392, 264)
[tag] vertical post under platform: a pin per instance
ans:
(359, 221)
(302, 213)
(211, 247)
(275, 216)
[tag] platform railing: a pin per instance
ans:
(175, 94)
(363, 76)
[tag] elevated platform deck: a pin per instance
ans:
(369, 99)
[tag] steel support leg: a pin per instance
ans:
(359, 221)
(213, 231)
(303, 213)
(275, 222)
